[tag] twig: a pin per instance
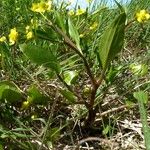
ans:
(91, 139)
(116, 109)
(81, 100)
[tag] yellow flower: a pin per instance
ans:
(29, 35)
(41, 7)
(93, 26)
(25, 105)
(71, 13)
(142, 16)
(34, 23)
(3, 39)
(80, 12)
(81, 35)
(13, 36)
(27, 28)
(33, 117)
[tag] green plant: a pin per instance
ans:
(76, 64)
(142, 98)
(110, 43)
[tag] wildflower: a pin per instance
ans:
(34, 23)
(13, 36)
(142, 16)
(3, 39)
(27, 28)
(33, 117)
(80, 12)
(93, 26)
(71, 13)
(81, 35)
(25, 105)
(41, 7)
(29, 35)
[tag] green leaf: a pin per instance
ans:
(36, 97)
(73, 32)
(46, 34)
(70, 77)
(5, 49)
(106, 130)
(1, 147)
(129, 103)
(53, 134)
(119, 6)
(41, 56)
(10, 92)
(60, 20)
(139, 69)
(112, 73)
(112, 40)
(141, 96)
(69, 96)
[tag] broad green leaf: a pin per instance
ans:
(73, 32)
(70, 76)
(71, 98)
(46, 34)
(112, 40)
(10, 92)
(41, 56)
(141, 96)
(36, 97)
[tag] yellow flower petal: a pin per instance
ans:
(93, 26)
(81, 35)
(71, 13)
(147, 16)
(41, 7)
(142, 16)
(27, 28)
(29, 35)
(80, 12)
(13, 36)
(3, 39)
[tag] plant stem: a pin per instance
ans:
(68, 42)
(81, 100)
